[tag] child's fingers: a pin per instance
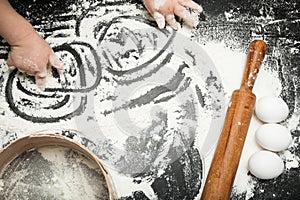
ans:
(160, 19)
(40, 78)
(181, 12)
(149, 4)
(55, 62)
(191, 4)
(172, 21)
(40, 82)
(41, 74)
(9, 61)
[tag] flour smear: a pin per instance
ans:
(230, 65)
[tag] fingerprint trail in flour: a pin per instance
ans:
(171, 127)
(16, 105)
(152, 95)
(62, 100)
(93, 66)
(144, 94)
(114, 42)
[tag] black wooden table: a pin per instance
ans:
(75, 26)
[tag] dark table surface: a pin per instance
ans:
(233, 24)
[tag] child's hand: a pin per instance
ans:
(163, 11)
(29, 52)
(31, 55)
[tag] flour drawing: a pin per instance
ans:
(151, 103)
(137, 95)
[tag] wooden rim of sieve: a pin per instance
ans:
(23, 144)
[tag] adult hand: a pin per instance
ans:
(164, 11)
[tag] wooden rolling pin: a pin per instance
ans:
(226, 158)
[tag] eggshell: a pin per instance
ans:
(271, 109)
(265, 165)
(273, 137)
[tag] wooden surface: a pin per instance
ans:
(230, 145)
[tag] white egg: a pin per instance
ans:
(265, 165)
(273, 137)
(271, 109)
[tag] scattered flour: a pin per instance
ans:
(53, 173)
(230, 65)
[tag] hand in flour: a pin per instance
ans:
(29, 52)
(164, 11)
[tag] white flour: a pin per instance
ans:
(53, 172)
(230, 65)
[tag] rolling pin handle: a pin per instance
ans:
(256, 53)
